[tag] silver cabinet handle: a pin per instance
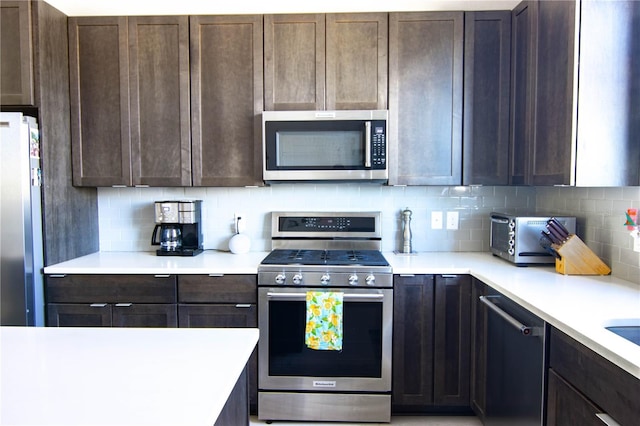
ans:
(243, 305)
(97, 305)
(606, 419)
(407, 275)
(449, 276)
(216, 275)
(525, 330)
(123, 305)
(57, 275)
(162, 275)
(303, 296)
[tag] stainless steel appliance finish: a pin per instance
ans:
(515, 363)
(325, 145)
(179, 229)
(516, 238)
(21, 290)
(298, 383)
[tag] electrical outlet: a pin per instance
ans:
(436, 220)
(452, 220)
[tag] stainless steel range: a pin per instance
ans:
(320, 254)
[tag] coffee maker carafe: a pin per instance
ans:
(178, 229)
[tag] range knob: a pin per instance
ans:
(281, 278)
(353, 279)
(324, 279)
(297, 278)
(370, 280)
(511, 251)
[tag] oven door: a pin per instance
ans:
(364, 363)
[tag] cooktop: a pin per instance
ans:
(325, 257)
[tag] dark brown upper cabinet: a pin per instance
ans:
(99, 98)
(159, 94)
(16, 75)
(226, 100)
(318, 62)
(425, 98)
(129, 101)
(487, 68)
(575, 125)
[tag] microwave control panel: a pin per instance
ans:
(378, 145)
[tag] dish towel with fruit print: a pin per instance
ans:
(323, 329)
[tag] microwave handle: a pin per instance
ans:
(499, 219)
(367, 144)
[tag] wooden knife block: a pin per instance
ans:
(578, 259)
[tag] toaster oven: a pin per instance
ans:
(516, 238)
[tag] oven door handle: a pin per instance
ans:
(346, 297)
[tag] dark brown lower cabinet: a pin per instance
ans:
(112, 315)
(584, 386)
(225, 301)
(87, 300)
(431, 332)
(478, 350)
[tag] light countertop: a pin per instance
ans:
(119, 376)
(576, 305)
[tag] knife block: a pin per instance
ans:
(578, 259)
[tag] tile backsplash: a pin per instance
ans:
(600, 214)
(126, 217)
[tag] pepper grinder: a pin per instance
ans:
(406, 230)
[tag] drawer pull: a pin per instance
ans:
(123, 305)
(449, 276)
(243, 305)
(162, 275)
(216, 275)
(407, 275)
(57, 275)
(606, 419)
(98, 305)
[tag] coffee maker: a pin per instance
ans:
(178, 229)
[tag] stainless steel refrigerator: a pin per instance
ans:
(21, 248)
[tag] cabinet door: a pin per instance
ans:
(79, 288)
(99, 97)
(218, 289)
(413, 304)
(76, 315)
(487, 80)
(294, 62)
(226, 100)
(478, 379)
(160, 109)
(356, 73)
(568, 407)
(16, 75)
(144, 315)
(522, 90)
(452, 338)
(551, 152)
(425, 98)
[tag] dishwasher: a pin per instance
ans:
(515, 369)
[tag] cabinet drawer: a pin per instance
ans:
(218, 289)
(608, 386)
(111, 289)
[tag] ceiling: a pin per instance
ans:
(225, 7)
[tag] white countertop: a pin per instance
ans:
(576, 305)
(119, 376)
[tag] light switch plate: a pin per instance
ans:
(452, 220)
(436, 220)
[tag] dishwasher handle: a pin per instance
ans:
(523, 329)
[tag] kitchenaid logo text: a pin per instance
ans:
(324, 384)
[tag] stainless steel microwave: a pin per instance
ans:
(325, 146)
